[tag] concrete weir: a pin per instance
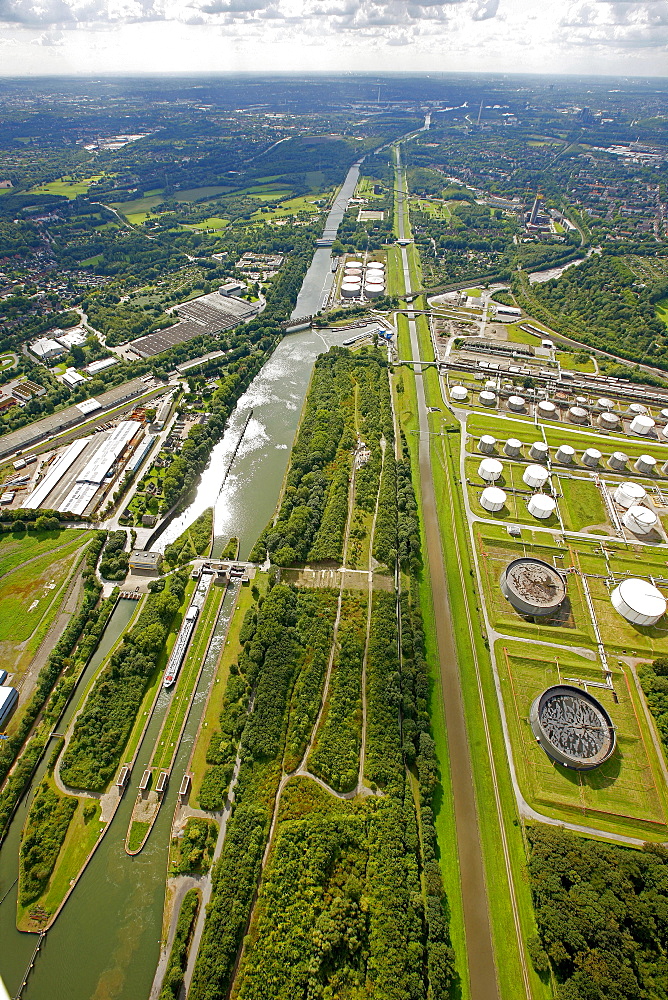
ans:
(479, 947)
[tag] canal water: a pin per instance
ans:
(105, 943)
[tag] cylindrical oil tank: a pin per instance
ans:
(491, 384)
(354, 263)
(490, 470)
(628, 494)
(608, 421)
(487, 398)
(581, 401)
(486, 444)
(492, 498)
(640, 520)
(577, 415)
(645, 465)
(618, 460)
(642, 425)
(516, 403)
(513, 448)
(605, 404)
(664, 415)
(533, 587)
(535, 476)
(539, 451)
(541, 505)
(375, 265)
(638, 601)
(373, 291)
(458, 393)
(565, 454)
(591, 457)
(351, 288)
(636, 408)
(546, 409)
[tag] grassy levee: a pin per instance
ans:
(464, 600)
(405, 403)
(171, 728)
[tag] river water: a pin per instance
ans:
(105, 943)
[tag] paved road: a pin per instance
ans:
(479, 948)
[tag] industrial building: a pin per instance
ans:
(45, 349)
(75, 480)
(572, 727)
(142, 561)
(533, 587)
(9, 698)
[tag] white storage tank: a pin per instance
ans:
(487, 398)
(628, 494)
(636, 408)
(458, 393)
(492, 498)
(373, 291)
(535, 476)
(645, 465)
(539, 451)
(546, 409)
(618, 460)
(490, 470)
(608, 421)
(642, 425)
(516, 403)
(513, 448)
(605, 404)
(664, 415)
(638, 601)
(565, 454)
(375, 265)
(486, 444)
(640, 520)
(542, 506)
(591, 457)
(577, 415)
(351, 288)
(354, 263)
(491, 384)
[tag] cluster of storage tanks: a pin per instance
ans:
(640, 422)
(360, 278)
(492, 498)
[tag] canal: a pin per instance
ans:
(105, 943)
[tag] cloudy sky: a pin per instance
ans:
(555, 36)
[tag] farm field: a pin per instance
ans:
(67, 187)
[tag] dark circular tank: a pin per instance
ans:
(532, 586)
(572, 727)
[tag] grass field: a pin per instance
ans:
(138, 831)
(626, 794)
(66, 186)
(568, 361)
(213, 223)
(581, 504)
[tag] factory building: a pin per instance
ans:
(9, 698)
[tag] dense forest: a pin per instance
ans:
(312, 516)
(602, 914)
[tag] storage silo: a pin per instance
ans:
(640, 520)
(645, 465)
(533, 587)
(617, 461)
(609, 421)
(577, 415)
(375, 265)
(490, 470)
(628, 494)
(535, 476)
(547, 410)
(516, 403)
(487, 398)
(642, 425)
(492, 499)
(539, 451)
(591, 457)
(373, 290)
(490, 384)
(458, 393)
(541, 506)
(513, 448)
(486, 444)
(354, 263)
(638, 601)
(605, 404)
(565, 454)
(351, 288)
(635, 408)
